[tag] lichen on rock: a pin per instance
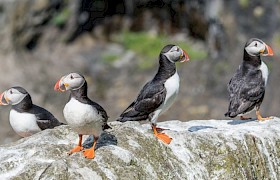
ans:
(201, 149)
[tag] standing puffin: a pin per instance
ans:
(82, 114)
(247, 86)
(158, 94)
(26, 118)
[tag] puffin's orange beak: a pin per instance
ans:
(3, 101)
(184, 57)
(268, 51)
(58, 87)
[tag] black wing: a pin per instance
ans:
(246, 91)
(45, 119)
(149, 99)
(103, 113)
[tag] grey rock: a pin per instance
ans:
(126, 59)
(215, 149)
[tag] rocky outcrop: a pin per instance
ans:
(202, 149)
(35, 50)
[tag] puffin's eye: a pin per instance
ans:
(256, 44)
(175, 49)
(11, 92)
(71, 77)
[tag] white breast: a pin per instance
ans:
(172, 88)
(24, 124)
(264, 71)
(83, 118)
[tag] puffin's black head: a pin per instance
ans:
(13, 96)
(72, 81)
(174, 53)
(256, 47)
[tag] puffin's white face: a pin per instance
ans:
(12, 96)
(258, 47)
(71, 81)
(176, 54)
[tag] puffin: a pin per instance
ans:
(26, 118)
(247, 86)
(158, 94)
(84, 116)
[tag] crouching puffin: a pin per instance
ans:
(247, 86)
(82, 114)
(158, 94)
(26, 118)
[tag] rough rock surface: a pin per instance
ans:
(201, 149)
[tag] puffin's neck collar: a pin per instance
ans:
(253, 60)
(169, 59)
(166, 68)
(79, 86)
(24, 105)
(79, 92)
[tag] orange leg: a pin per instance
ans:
(165, 138)
(244, 118)
(89, 153)
(260, 118)
(78, 147)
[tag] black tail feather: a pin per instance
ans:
(230, 114)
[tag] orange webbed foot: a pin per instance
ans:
(89, 153)
(260, 118)
(163, 137)
(264, 118)
(75, 149)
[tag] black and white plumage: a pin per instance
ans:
(82, 114)
(26, 118)
(158, 94)
(247, 87)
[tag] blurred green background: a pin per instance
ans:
(115, 44)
